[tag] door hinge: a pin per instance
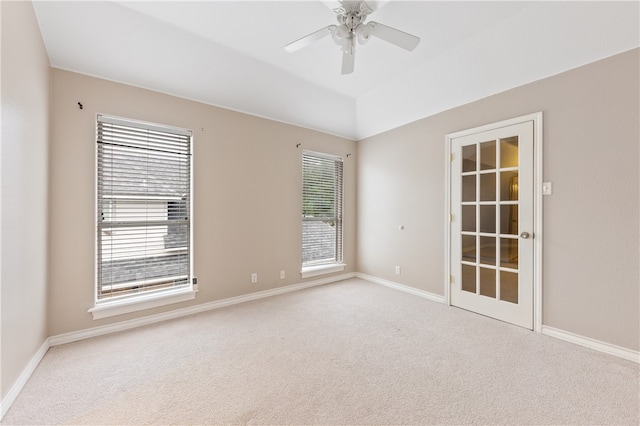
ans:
(450, 279)
(450, 218)
(451, 157)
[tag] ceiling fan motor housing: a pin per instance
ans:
(351, 17)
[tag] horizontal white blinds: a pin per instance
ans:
(143, 206)
(321, 209)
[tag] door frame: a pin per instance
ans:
(537, 206)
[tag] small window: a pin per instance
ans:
(143, 206)
(321, 209)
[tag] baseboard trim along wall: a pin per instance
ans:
(407, 289)
(587, 342)
(5, 404)
(597, 345)
(75, 336)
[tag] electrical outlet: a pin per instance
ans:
(254, 278)
(397, 270)
(282, 275)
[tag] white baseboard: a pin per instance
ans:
(75, 336)
(590, 343)
(416, 292)
(597, 345)
(60, 339)
(5, 404)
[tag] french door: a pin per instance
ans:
(492, 222)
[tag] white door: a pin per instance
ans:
(492, 222)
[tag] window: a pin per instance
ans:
(321, 213)
(143, 210)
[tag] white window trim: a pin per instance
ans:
(314, 271)
(119, 306)
(146, 301)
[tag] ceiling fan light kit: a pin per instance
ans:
(351, 27)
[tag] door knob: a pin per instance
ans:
(524, 235)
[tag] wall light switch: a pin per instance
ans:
(547, 188)
(254, 278)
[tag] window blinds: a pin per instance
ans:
(143, 208)
(321, 209)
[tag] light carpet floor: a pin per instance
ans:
(351, 352)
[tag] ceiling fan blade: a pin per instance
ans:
(308, 39)
(348, 62)
(393, 36)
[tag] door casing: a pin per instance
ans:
(537, 207)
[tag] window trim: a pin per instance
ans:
(104, 308)
(328, 268)
(110, 308)
(339, 265)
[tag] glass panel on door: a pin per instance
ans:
(468, 278)
(491, 205)
(469, 188)
(488, 250)
(509, 253)
(509, 219)
(469, 248)
(469, 158)
(509, 186)
(509, 286)
(489, 222)
(488, 155)
(488, 282)
(509, 152)
(487, 187)
(488, 218)
(469, 218)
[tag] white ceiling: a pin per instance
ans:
(230, 53)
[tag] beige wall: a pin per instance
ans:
(25, 125)
(247, 195)
(591, 244)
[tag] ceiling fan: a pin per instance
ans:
(351, 27)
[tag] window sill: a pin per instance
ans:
(314, 271)
(110, 309)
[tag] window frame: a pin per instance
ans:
(107, 307)
(337, 265)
